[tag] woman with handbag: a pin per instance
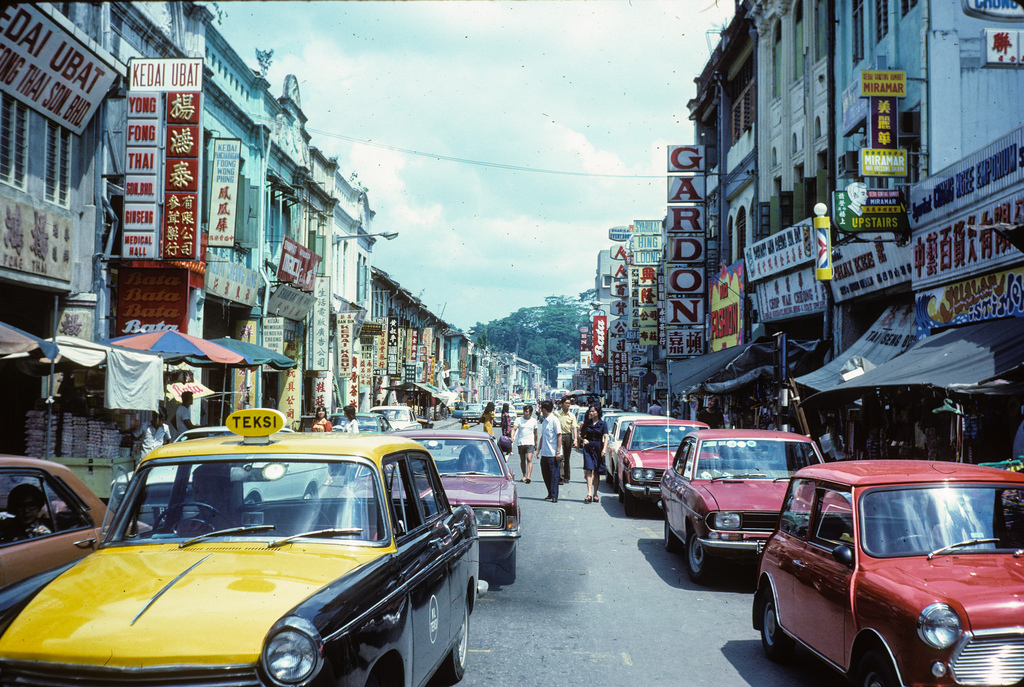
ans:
(505, 440)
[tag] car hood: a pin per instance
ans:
(659, 459)
(478, 490)
(218, 602)
(743, 495)
(988, 588)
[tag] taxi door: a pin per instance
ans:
(424, 544)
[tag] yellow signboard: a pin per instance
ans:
(255, 422)
(874, 84)
(879, 162)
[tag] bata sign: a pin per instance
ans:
(152, 300)
(599, 348)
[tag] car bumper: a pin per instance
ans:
(647, 491)
(744, 548)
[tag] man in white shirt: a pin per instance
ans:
(550, 449)
(183, 415)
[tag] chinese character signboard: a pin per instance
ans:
(866, 267)
(883, 157)
(393, 349)
(34, 241)
(181, 175)
(223, 191)
(231, 281)
(245, 330)
(317, 341)
(1002, 48)
(344, 344)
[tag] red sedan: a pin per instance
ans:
(644, 454)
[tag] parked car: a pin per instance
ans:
(457, 409)
(368, 422)
(645, 453)
(475, 474)
(898, 573)
(401, 417)
(371, 582)
(474, 412)
(724, 490)
(617, 426)
(48, 517)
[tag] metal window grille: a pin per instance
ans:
(58, 164)
(858, 30)
(13, 142)
(881, 19)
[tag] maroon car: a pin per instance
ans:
(475, 474)
(723, 493)
(899, 573)
(48, 517)
(645, 453)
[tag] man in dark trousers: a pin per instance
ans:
(550, 449)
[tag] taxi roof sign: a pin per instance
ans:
(255, 423)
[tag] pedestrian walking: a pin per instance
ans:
(351, 424)
(593, 440)
(155, 434)
(567, 420)
(505, 440)
(654, 408)
(524, 436)
(488, 418)
(550, 448)
(711, 415)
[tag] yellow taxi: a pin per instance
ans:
(273, 559)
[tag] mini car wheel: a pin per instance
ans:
(698, 563)
(631, 503)
(874, 670)
(672, 543)
(777, 645)
(454, 666)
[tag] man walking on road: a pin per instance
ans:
(567, 420)
(550, 446)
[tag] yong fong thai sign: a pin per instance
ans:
(46, 68)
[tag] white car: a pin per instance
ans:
(617, 426)
(400, 417)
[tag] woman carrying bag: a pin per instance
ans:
(505, 440)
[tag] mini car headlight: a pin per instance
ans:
(726, 521)
(487, 517)
(939, 626)
(292, 655)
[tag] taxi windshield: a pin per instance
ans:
(936, 519)
(265, 495)
(651, 437)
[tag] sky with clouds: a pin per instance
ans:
(558, 112)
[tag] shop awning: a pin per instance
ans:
(134, 379)
(757, 363)
(684, 375)
(889, 336)
(969, 359)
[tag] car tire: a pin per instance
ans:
(777, 645)
(454, 666)
(875, 670)
(620, 491)
(631, 504)
(672, 543)
(698, 563)
(609, 475)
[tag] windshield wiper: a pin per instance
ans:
(334, 532)
(231, 530)
(752, 476)
(467, 472)
(961, 544)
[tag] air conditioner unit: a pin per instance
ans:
(848, 164)
(910, 125)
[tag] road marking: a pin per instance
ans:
(626, 659)
(479, 651)
(651, 533)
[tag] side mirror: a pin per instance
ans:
(843, 554)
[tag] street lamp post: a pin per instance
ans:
(389, 235)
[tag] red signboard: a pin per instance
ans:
(152, 300)
(298, 264)
(181, 225)
(600, 341)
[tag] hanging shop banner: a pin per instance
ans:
(273, 334)
(232, 281)
(322, 388)
(1002, 47)
(988, 297)
(344, 340)
(152, 300)
(780, 252)
(318, 338)
(867, 267)
(791, 295)
(585, 338)
(366, 358)
(46, 66)
(223, 191)
(291, 388)
(289, 302)
(380, 344)
(393, 350)
(686, 189)
(183, 160)
(35, 241)
(297, 264)
(599, 342)
(881, 162)
(726, 291)
(244, 377)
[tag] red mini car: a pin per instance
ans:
(899, 573)
(644, 454)
(475, 474)
(724, 491)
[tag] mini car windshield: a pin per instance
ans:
(752, 458)
(264, 495)
(652, 437)
(397, 414)
(463, 456)
(936, 519)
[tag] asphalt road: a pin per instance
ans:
(599, 602)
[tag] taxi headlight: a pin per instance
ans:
(488, 517)
(292, 655)
(939, 626)
(726, 521)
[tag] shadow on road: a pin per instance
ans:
(747, 657)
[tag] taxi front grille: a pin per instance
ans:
(990, 660)
(30, 674)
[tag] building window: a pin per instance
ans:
(821, 29)
(58, 164)
(743, 96)
(906, 6)
(858, 30)
(881, 19)
(741, 231)
(13, 142)
(798, 42)
(777, 61)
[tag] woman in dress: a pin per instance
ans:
(593, 439)
(320, 421)
(506, 431)
(488, 418)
